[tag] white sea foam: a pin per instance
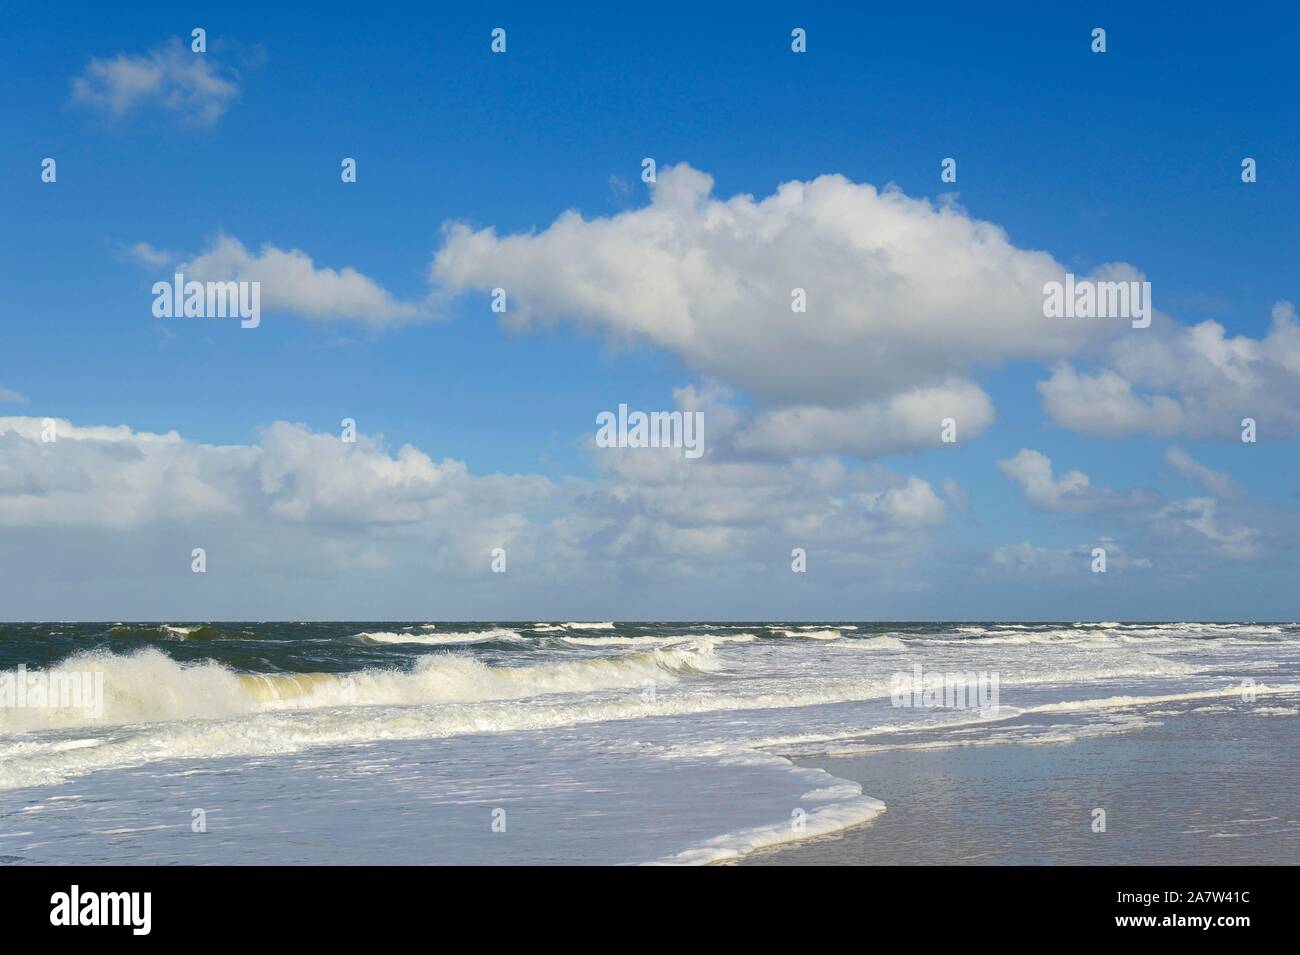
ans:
(650, 641)
(149, 686)
(809, 634)
(1111, 702)
(159, 709)
(844, 813)
(439, 639)
(882, 642)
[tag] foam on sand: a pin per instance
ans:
(831, 807)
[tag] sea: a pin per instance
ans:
(604, 743)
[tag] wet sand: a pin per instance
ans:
(1217, 784)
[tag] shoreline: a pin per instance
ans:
(1201, 785)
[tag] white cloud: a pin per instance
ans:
(913, 505)
(148, 255)
(1072, 491)
(11, 396)
(1192, 381)
(910, 419)
(1197, 526)
(194, 86)
(291, 281)
(904, 300)
(298, 506)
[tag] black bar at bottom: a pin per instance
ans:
(339, 904)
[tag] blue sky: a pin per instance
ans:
(1132, 156)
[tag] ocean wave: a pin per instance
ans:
(882, 642)
(171, 632)
(576, 641)
(148, 686)
(440, 639)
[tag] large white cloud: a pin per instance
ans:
(904, 299)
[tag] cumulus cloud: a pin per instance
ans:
(1072, 491)
(734, 518)
(120, 478)
(291, 281)
(908, 420)
(1193, 527)
(194, 86)
(298, 504)
(1186, 381)
(905, 299)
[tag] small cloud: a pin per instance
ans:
(12, 397)
(1071, 492)
(194, 86)
(291, 281)
(1216, 482)
(145, 253)
(619, 189)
